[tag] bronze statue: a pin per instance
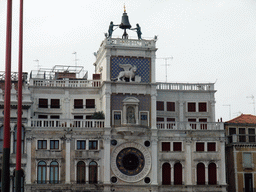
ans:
(111, 29)
(138, 31)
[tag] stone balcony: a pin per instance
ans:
(190, 126)
(67, 123)
(64, 83)
(186, 86)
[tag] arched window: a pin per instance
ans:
(93, 172)
(14, 181)
(54, 172)
(41, 172)
(15, 139)
(177, 174)
(212, 175)
(80, 172)
(166, 174)
(1, 138)
(200, 174)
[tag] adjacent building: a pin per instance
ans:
(241, 153)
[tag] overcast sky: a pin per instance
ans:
(209, 40)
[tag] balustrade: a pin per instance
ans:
(67, 123)
(190, 126)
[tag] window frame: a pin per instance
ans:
(79, 147)
(190, 108)
(91, 142)
(170, 106)
(202, 108)
(208, 146)
(160, 105)
(140, 114)
(249, 165)
(168, 146)
(77, 104)
(41, 147)
(42, 102)
(198, 147)
(54, 105)
(55, 141)
(179, 147)
(90, 105)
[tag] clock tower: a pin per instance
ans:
(127, 69)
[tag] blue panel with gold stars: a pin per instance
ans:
(142, 64)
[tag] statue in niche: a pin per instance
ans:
(130, 115)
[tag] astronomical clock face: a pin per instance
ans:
(131, 162)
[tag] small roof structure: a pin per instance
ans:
(243, 119)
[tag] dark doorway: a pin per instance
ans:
(248, 182)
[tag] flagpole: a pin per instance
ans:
(18, 171)
(6, 147)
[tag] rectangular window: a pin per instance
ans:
(242, 137)
(160, 119)
(80, 144)
(177, 146)
(232, 131)
(55, 103)
(78, 103)
(90, 103)
(93, 145)
(117, 118)
(191, 107)
(144, 118)
(247, 160)
(160, 106)
(54, 144)
(202, 107)
(166, 146)
(170, 106)
(43, 103)
(42, 144)
(211, 146)
(251, 132)
(199, 146)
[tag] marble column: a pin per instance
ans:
(106, 163)
(154, 161)
(222, 173)
(68, 156)
(153, 111)
(28, 163)
(188, 162)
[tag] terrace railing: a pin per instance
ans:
(65, 83)
(76, 123)
(190, 125)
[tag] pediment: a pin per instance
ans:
(131, 100)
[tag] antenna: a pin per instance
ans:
(228, 105)
(75, 53)
(38, 66)
(253, 102)
(166, 65)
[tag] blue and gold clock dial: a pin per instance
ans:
(130, 161)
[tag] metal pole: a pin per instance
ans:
(18, 171)
(6, 147)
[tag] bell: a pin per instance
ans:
(125, 24)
